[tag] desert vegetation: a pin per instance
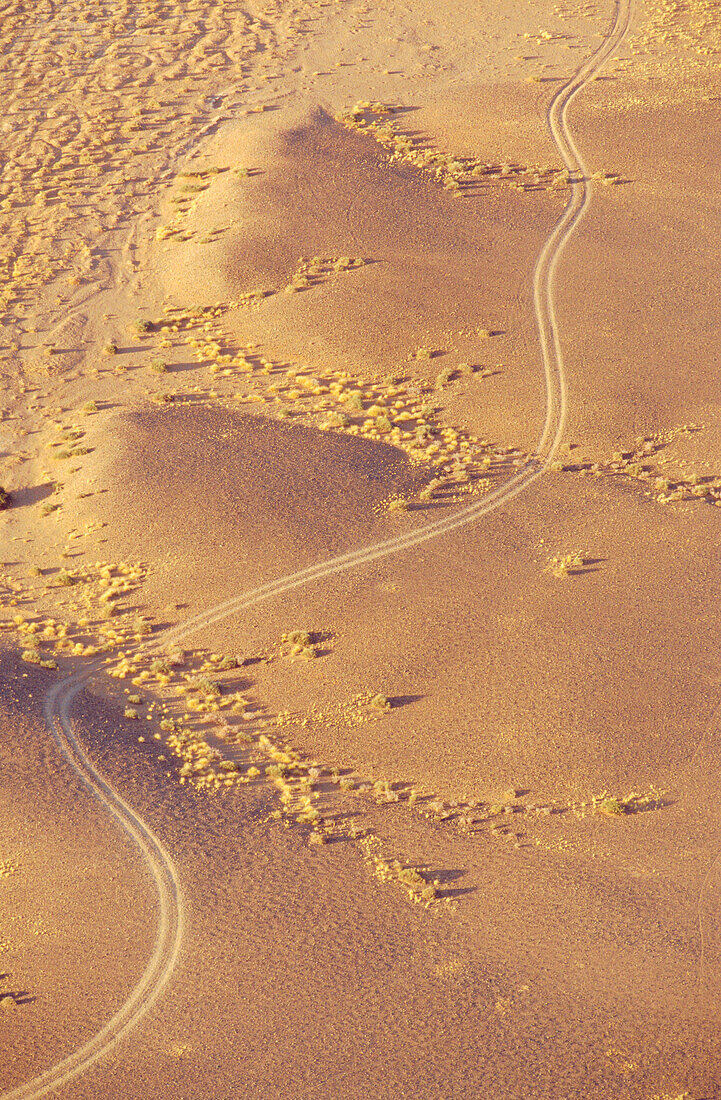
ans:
(459, 175)
(472, 775)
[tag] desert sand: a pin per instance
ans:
(361, 468)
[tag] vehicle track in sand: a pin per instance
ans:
(56, 711)
(555, 418)
(60, 698)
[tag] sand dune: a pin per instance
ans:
(444, 822)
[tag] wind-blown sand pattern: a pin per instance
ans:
(362, 466)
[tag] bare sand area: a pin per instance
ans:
(578, 951)
(359, 691)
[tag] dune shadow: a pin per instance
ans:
(17, 997)
(403, 700)
(22, 498)
(446, 880)
(641, 805)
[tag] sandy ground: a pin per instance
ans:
(445, 822)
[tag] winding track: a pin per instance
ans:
(60, 698)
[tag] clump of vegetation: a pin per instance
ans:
(444, 377)
(564, 565)
(662, 485)
(633, 803)
(418, 888)
(142, 327)
(454, 173)
(427, 491)
(252, 297)
(380, 702)
(301, 644)
(33, 657)
(5, 498)
(205, 687)
(317, 269)
(110, 349)
(336, 420)
(611, 807)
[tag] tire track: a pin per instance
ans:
(556, 396)
(57, 707)
(60, 698)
